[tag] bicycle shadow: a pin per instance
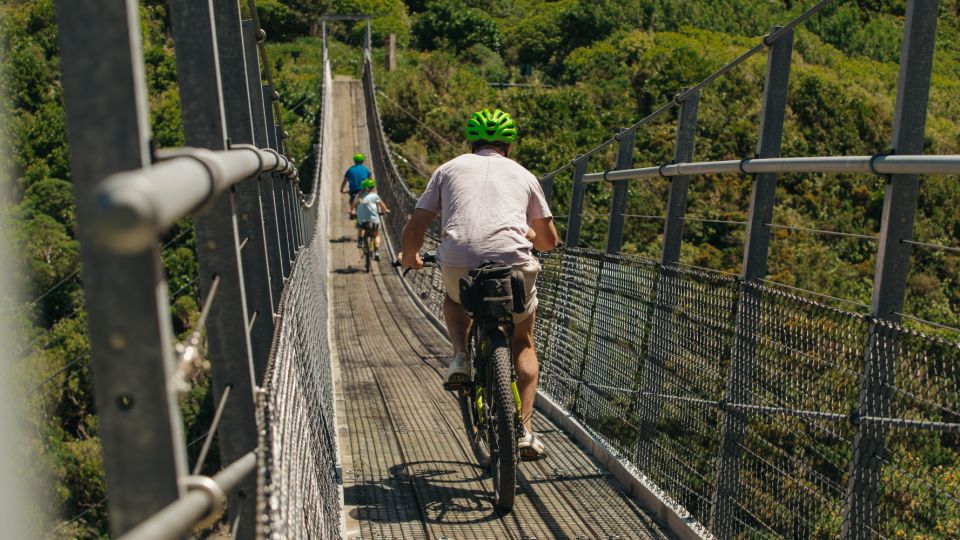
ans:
(431, 491)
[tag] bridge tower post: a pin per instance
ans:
(618, 203)
(219, 252)
(660, 328)
(272, 215)
(575, 215)
(128, 317)
(861, 513)
(237, 110)
(756, 249)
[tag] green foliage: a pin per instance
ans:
(451, 24)
(281, 22)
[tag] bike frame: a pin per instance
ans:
(480, 351)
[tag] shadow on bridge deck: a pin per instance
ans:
(408, 469)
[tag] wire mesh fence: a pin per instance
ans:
(298, 480)
(747, 404)
(428, 286)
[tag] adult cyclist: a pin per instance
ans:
(352, 180)
(492, 209)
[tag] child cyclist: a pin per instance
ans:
(367, 207)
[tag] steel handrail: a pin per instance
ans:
(878, 164)
(135, 207)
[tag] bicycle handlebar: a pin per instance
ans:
(429, 259)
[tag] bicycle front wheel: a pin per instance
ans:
(502, 419)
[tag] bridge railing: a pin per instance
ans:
(755, 408)
(262, 278)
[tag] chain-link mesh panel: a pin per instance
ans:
(428, 286)
(298, 486)
(742, 402)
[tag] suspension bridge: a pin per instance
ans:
(676, 401)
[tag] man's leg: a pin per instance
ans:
(527, 368)
(458, 323)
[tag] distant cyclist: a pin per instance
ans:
(354, 176)
(367, 207)
(492, 209)
(352, 179)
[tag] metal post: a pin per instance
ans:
(367, 37)
(861, 515)
(236, 104)
(392, 52)
(547, 185)
(294, 214)
(282, 217)
(618, 204)
(677, 203)
(267, 201)
(128, 315)
(649, 404)
(575, 216)
(754, 268)
(218, 248)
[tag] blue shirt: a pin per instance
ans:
(356, 174)
(368, 208)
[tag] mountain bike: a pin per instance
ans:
(369, 243)
(490, 401)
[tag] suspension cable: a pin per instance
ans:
(417, 120)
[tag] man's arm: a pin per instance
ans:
(383, 206)
(545, 236)
(413, 233)
(343, 186)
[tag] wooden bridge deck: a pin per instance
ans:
(408, 468)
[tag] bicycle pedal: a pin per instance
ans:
(528, 455)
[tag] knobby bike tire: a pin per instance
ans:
(503, 465)
(367, 254)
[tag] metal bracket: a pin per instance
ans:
(218, 499)
(204, 157)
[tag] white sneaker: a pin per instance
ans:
(459, 370)
(531, 447)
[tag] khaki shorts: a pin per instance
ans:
(530, 269)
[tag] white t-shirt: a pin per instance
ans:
(486, 203)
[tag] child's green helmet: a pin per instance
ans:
(496, 126)
(369, 183)
(359, 158)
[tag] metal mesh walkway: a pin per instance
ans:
(408, 469)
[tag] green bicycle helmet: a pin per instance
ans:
(369, 183)
(496, 126)
(359, 158)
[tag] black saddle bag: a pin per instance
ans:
(492, 291)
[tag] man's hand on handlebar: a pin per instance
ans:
(410, 260)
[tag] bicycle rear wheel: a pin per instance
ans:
(501, 421)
